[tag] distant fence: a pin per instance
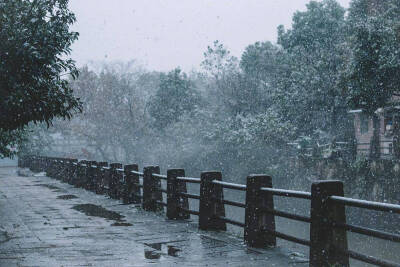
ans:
(347, 150)
(328, 228)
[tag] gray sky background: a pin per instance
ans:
(163, 34)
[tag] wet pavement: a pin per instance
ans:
(48, 223)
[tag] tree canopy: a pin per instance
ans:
(373, 71)
(35, 41)
(175, 96)
(313, 55)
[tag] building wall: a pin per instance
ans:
(364, 139)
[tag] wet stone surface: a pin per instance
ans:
(38, 227)
(49, 186)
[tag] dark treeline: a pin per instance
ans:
(238, 114)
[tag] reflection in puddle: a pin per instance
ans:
(151, 254)
(173, 251)
(159, 249)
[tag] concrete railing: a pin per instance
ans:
(328, 228)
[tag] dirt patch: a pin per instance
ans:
(98, 211)
(49, 186)
(67, 197)
(121, 224)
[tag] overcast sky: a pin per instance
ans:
(163, 34)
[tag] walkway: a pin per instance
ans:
(47, 223)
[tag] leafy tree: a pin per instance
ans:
(260, 69)
(36, 140)
(9, 140)
(373, 71)
(314, 50)
(224, 79)
(260, 62)
(34, 42)
(372, 75)
(175, 96)
(114, 109)
(218, 61)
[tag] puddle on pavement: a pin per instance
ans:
(98, 211)
(121, 224)
(72, 227)
(159, 249)
(49, 186)
(67, 197)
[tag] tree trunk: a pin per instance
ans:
(396, 137)
(375, 147)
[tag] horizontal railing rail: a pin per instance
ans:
(138, 173)
(160, 176)
(187, 195)
(241, 187)
(287, 215)
(231, 203)
(367, 231)
(379, 206)
(189, 180)
(287, 193)
(290, 238)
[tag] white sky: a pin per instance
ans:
(163, 34)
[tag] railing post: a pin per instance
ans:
(54, 168)
(41, 160)
(151, 188)
(132, 190)
(106, 181)
(58, 169)
(49, 162)
(20, 162)
(324, 238)
(175, 202)
(257, 221)
(99, 177)
(210, 206)
(32, 164)
(91, 176)
(87, 173)
(50, 167)
(114, 180)
(63, 169)
(81, 173)
(120, 183)
(66, 170)
(72, 171)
